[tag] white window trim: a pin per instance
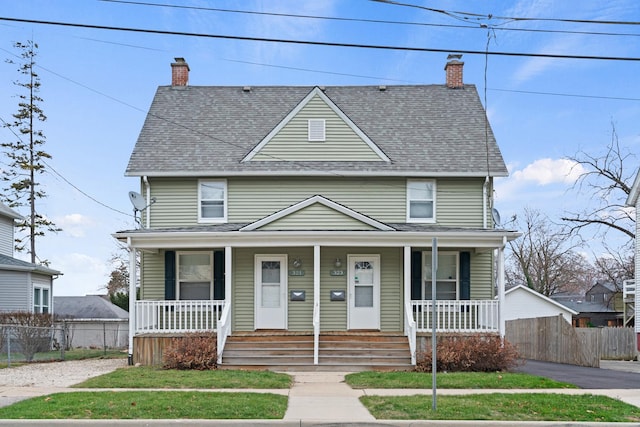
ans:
(311, 125)
(210, 253)
(408, 202)
(427, 255)
(202, 219)
(39, 287)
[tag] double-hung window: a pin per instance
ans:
(421, 201)
(41, 299)
(447, 283)
(212, 201)
(195, 275)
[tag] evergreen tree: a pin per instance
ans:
(25, 155)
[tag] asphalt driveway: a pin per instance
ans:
(583, 377)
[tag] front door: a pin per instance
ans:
(271, 292)
(364, 291)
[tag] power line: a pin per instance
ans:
(322, 43)
(575, 95)
(506, 18)
(363, 20)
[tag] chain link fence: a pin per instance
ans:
(19, 344)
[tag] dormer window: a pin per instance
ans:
(316, 130)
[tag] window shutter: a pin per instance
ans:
(218, 275)
(169, 275)
(416, 275)
(465, 275)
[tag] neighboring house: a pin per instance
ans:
(590, 313)
(631, 286)
(92, 321)
(522, 302)
(313, 210)
(23, 286)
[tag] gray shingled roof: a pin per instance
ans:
(10, 263)
(87, 307)
(426, 130)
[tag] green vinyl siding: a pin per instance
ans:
(482, 276)
(291, 143)
(459, 202)
(152, 276)
(251, 199)
(317, 217)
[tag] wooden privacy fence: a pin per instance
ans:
(553, 339)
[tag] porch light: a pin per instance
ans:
(338, 263)
(297, 263)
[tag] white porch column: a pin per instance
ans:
(500, 266)
(228, 276)
(133, 278)
(316, 303)
(407, 283)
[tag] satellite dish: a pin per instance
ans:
(137, 201)
(496, 216)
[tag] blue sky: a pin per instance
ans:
(98, 84)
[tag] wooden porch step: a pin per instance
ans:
(341, 351)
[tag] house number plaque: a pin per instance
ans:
(337, 272)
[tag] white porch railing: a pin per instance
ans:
(629, 289)
(457, 315)
(410, 331)
(177, 316)
(224, 330)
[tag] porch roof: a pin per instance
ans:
(231, 234)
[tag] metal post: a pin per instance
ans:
(9, 346)
(434, 363)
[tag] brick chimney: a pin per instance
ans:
(179, 72)
(453, 70)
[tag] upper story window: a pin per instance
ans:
(212, 201)
(421, 201)
(446, 275)
(195, 275)
(316, 130)
(41, 299)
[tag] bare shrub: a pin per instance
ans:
(480, 353)
(31, 331)
(193, 351)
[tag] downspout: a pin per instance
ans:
(484, 201)
(147, 190)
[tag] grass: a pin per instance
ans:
(149, 377)
(503, 407)
(457, 380)
(149, 405)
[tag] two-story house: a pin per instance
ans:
(315, 211)
(23, 286)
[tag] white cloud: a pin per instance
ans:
(549, 171)
(82, 274)
(75, 225)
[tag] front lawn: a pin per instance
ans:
(503, 407)
(149, 377)
(459, 380)
(149, 405)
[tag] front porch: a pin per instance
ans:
(157, 322)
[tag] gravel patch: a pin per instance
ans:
(58, 374)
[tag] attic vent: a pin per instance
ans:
(382, 88)
(316, 130)
(247, 89)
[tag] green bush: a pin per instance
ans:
(193, 351)
(459, 353)
(31, 331)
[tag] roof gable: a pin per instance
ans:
(334, 217)
(289, 140)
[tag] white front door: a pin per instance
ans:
(364, 292)
(271, 292)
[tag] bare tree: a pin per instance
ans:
(545, 258)
(26, 156)
(607, 179)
